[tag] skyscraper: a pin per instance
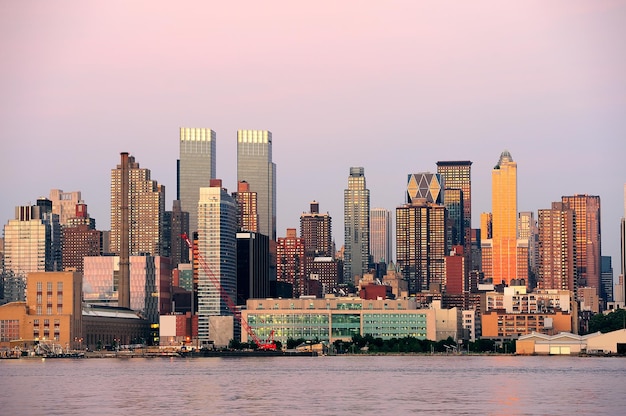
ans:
(316, 233)
(196, 168)
(247, 213)
(607, 279)
(255, 166)
(356, 205)
(253, 271)
(588, 249)
(28, 242)
(458, 175)
(217, 244)
(421, 244)
(425, 185)
(146, 207)
(503, 257)
(381, 235)
(557, 248)
(527, 230)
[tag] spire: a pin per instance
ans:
(504, 157)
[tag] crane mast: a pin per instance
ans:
(262, 345)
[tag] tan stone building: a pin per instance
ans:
(51, 314)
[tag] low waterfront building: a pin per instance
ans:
(339, 318)
(566, 343)
(106, 326)
(51, 313)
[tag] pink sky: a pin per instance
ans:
(391, 86)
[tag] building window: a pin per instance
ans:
(9, 330)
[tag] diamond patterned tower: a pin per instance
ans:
(425, 185)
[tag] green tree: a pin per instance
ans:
(293, 343)
(609, 322)
(482, 345)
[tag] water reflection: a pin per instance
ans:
(461, 385)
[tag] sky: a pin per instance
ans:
(390, 86)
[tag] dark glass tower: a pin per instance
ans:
(457, 175)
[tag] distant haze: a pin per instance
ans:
(390, 86)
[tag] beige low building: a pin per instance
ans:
(51, 314)
(566, 343)
(610, 343)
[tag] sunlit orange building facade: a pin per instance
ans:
(504, 258)
(52, 312)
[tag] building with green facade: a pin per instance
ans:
(338, 318)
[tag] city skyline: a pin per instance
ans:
(392, 89)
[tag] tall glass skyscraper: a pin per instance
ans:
(380, 235)
(28, 244)
(356, 206)
(457, 175)
(255, 166)
(196, 168)
(217, 244)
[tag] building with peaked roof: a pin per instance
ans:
(565, 343)
(504, 258)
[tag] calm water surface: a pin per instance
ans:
(385, 385)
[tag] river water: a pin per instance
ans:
(338, 385)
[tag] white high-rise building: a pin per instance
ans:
(29, 241)
(217, 244)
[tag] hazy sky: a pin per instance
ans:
(391, 86)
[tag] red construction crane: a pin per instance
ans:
(262, 345)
